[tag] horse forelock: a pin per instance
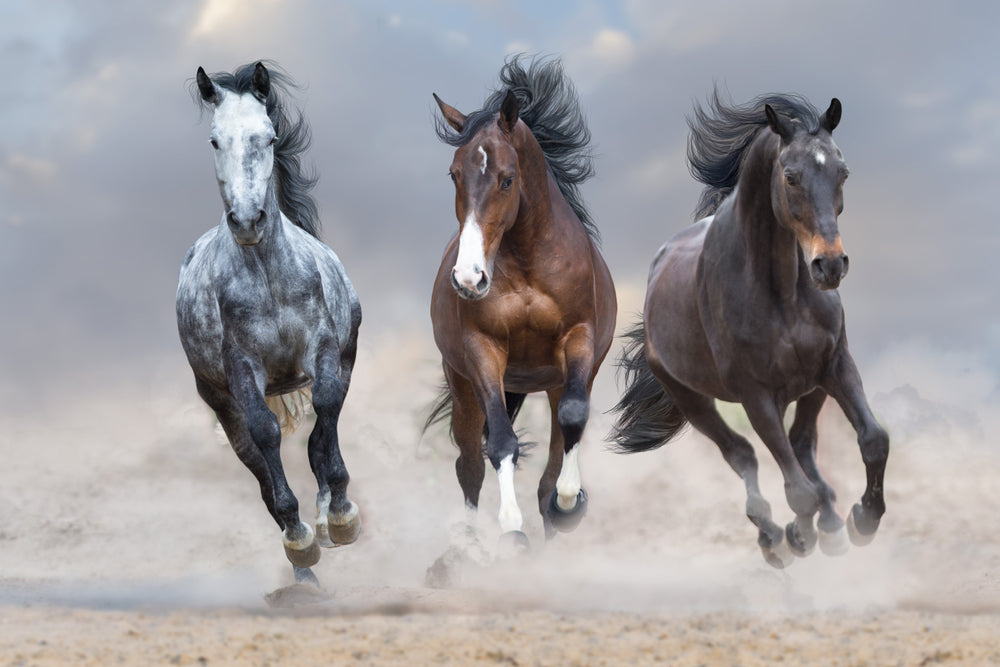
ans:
(722, 135)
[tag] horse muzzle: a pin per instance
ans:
(246, 229)
(472, 285)
(828, 270)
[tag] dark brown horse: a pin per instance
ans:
(743, 307)
(523, 301)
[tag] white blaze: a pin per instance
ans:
(820, 158)
(471, 260)
(483, 152)
(510, 513)
(568, 484)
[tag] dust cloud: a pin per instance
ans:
(128, 498)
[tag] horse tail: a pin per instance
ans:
(441, 410)
(290, 408)
(648, 417)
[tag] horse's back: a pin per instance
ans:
(678, 342)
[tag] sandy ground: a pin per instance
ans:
(130, 534)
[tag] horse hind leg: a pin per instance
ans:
(802, 537)
(701, 413)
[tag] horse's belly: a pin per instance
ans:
(528, 380)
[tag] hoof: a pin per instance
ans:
(303, 558)
(860, 529)
(566, 521)
(800, 542)
(303, 575)
(513, 543)
(834, 543)
(778, 555)
(337, 532)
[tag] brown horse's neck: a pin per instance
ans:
(772, 249)
(534, 223)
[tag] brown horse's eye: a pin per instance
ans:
(454, 179)
(507, 182)
(791, 178)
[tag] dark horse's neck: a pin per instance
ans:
(772, 248)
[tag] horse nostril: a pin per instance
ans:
(483, 284)
(847, 265)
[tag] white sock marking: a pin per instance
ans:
(568, 484)
(510, 513)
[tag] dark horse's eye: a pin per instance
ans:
(215, 144)
(273, 141)
(454, 178)
(507, 182)
(791, 178)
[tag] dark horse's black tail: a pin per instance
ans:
(648, 418)
(441, 410)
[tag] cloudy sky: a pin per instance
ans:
(106, 177)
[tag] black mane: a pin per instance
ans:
(548, 105)
(721, 136)
(292, 183)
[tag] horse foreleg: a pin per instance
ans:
(246, 384)
(467, 421)
(338, 520)
(568, 504)
(844, 384)
(801, 535)
(801, 494)
(234, 423)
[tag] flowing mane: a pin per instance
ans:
(548, 105)
(293, 184)
(722, 134)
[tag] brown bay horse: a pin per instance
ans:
(743, 307)
(523, 301)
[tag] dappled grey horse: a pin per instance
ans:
(265, 309)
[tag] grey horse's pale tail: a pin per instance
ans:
(648, 418)
(290, 409)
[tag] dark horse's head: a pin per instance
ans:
(487, 194)
(807, 191)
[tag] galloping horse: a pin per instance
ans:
(742, 306)
(523, 301)
(265, 309)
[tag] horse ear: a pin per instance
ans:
(508, 112)
(261, 84)
(832, 116)
(209, 91)
(779, 125)
(453, 116)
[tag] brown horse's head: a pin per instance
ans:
(487, 194)
(807, 191)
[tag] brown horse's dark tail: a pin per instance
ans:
(441, 411)
(647, 417)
